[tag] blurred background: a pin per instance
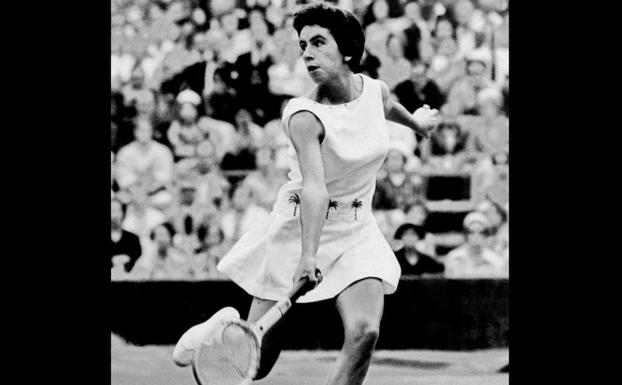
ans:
(198, 152)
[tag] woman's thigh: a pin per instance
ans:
(361, 304)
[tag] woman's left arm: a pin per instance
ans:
(422, 121)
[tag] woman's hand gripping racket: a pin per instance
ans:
(232, 356)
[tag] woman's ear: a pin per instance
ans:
(347, 58)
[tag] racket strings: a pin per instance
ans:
(240, 349)
(229, 360)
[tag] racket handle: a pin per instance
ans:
(303, 286)
(279, 309)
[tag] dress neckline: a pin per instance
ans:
(350, 103)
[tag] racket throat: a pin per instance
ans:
(271, 317)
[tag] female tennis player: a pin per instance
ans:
(322, 217)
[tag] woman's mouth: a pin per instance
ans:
(312, 68)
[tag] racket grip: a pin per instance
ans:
(303, 286)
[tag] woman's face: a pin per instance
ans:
(320, 53)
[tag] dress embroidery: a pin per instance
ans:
(356, 205)
(295, 199)
(331, 205)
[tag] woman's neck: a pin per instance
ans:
(343, 89)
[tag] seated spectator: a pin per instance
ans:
(186, 214)
(397, 189)
(394, 67)
(162, 118)
(416, 31)
(161, 259)
(474, 259)
(490, 131)
(211, 186)
(198, 76)
(289, 78)
(417, 214)
(495, 213)
(211, 249)
(124, 246)
(184, 134)
(448, 147)
(235, 41)
(441, 52)
(411, 259)
(221, 102)
(221, 134)
(266, 181)
(121, 122)
(419, 89)
(462, 97)
(249, 137)
(242, 215)
(252, 82)
(179, 55)
(381, 26)
(369, 64)
(146, 162)
(490, 179)
(122, 63)
(403, 138)
(134, 87)
(488, 147)
(144, 210)
(470, 23)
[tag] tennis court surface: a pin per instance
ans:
(152, 365)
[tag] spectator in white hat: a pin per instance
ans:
(474, 259)
(184, 133)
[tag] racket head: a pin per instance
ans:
(230, 357)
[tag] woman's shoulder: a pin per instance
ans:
(300, 103)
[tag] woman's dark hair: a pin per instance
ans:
(342, 24)
(168, 226)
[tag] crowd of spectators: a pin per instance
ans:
(198, 153)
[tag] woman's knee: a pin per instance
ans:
(362, 333)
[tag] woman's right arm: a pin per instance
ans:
(305, 132)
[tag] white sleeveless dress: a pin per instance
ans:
(352, 247)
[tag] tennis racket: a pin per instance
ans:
(233, 354)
